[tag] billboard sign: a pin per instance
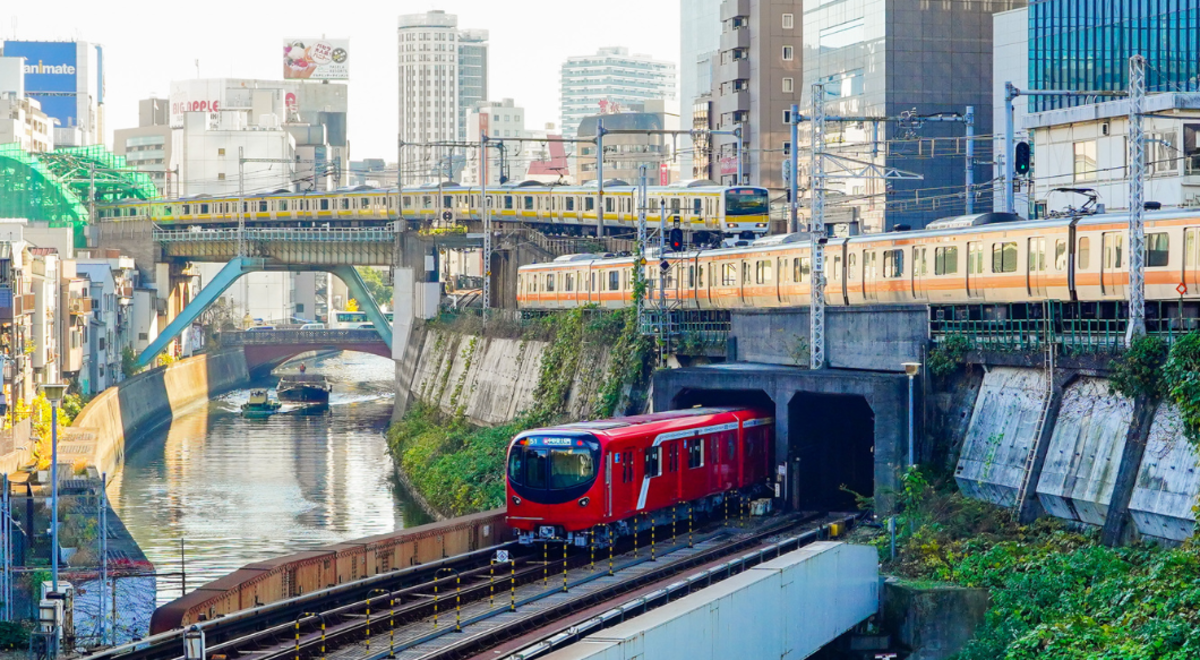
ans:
(51, 76)
(316, 59)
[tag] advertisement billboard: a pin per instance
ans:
(316, 59)
(51, 76)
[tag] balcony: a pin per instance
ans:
(81, 306)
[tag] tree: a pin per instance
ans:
(380, 292)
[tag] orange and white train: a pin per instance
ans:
(988, 258)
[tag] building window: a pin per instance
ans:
(789, 21)
(789, 85)
(221, 152)
(1085, 160)
(220, 176)
(787, 148)
(788, 52)
(787, 116)
(843, 34)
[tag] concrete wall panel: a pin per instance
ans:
(991, 465)
(1165, 494)
(1085, 452)
(869, 338)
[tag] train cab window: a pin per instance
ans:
(570, 204)
(945, 260)
(1158, 250)
(550, 282)
(1113, 244)
(556, 468)
(763, 272)
(614, 280)
(893, 263)
(695, 452)
(1004, 257)
(801, 268)
(653, 462)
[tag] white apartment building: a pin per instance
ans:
(442, 73)
(592, 84)
(21, 118)
(504, 119)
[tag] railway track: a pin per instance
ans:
(464, 605)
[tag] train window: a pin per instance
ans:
(589, 204)
(893, 263)
(1037, 254)
(324, 205)
(528, 203)
(569, 283)
(920, 261)
(283, 205)
(627, 470)
(695, 452)
(364, 203)
(675, 205)
(837, 268)
(262, 207)
(746, 272)
(728, 275)
(851, 266)
(801, 267)
(520, 282)
(673, 457)
(550, 282)
(570, 201)
(1114, 245)
(945, 260)
(1085, 252)
(653, 462)
(608, 204)
(592, 284)
(691, 277)
(508, 203)
(763, 274)
(700, 277)
(1060, 255)
(1158, 250)
(535, 469)
(975, 258)
(407, 201)
(166, 210)
(728, 445)
(203, 209)
(614, 280)
(1004, 257)
(870, 264)
(696, 206)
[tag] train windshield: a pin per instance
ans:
(536, 466)
(746, 201)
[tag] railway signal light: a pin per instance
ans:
(1021, 158)
(676, 240)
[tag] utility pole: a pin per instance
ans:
(663, 336)
(241, 203)
(741, 164)
(1010, 93)
(640, 257)
(816, 228)
(487, 223)
(600, 178)
(969, 172)
(1137, 211)
(793, 186)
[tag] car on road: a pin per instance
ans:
(313, 326)
(261, 328)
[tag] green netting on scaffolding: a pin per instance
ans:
(55, 187)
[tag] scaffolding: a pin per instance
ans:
(61, 187)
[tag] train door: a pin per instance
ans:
(1111, 263)
(870, 272)
(1191, 259)
(1035, 273)
(974, 269)
(919, 271)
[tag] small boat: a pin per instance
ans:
(260, 405)
(304, 388)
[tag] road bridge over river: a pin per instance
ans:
(267, 349)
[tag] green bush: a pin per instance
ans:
(1181, 378)
(13, 636)
(1139, 371)
(948, 354)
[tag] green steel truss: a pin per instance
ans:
(55, 186)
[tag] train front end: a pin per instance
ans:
(747, 212)
(554, 489)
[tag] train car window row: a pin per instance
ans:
(653, 462)
(1158, 250)
(1004, 257)
(695, 450)
(893, 263)
(945, 260)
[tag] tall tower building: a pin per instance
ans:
(67, 79)
(443, 73)
(699, 42)
(591, 84)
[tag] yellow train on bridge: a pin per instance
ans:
(698, 207)
(979, 264)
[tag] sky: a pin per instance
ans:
(149, 44)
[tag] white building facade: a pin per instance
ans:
(504, 119)
(67, 79)
(592, 84)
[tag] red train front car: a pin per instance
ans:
(617, 475)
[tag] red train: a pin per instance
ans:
(566, 481)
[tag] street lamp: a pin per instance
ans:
(911, 369)
(54, 394)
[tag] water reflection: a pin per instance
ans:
(240, 490)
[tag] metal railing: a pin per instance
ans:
(306, 235)
(271, 337)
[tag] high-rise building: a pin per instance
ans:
(888, 57)
(755, 82)
(443, 73)
(699, 41)
(504, 119)
(1087, 45)
(22, 121)
(67, 79)
(592, 84)
(147, 148)
(626, 153)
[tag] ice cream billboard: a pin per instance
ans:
(316, 59)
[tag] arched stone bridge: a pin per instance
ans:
(267, 349)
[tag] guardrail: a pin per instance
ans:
(302, 234)
(272, 337)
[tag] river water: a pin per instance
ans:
(228, 491)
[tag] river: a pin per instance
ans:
(215, 491)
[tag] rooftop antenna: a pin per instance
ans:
(197, 68)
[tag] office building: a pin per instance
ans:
(443, 74)
(610, 79)
(754, 84)
(888, 57)
(503, 119)
(67, 79)
(699, 42)
(626, 153)
(147, 148)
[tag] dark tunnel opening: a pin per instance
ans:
(689, 398)
(832, 440)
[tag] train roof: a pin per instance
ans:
(624, 425)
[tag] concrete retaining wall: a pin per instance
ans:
(874, 338)
(1164, 497)
(490, 380)
(991, 465)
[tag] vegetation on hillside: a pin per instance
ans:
(459, 468)
(1055, 593)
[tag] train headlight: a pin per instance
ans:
(516, 500)
(585, 501)
(761, 224)
(731, 225)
